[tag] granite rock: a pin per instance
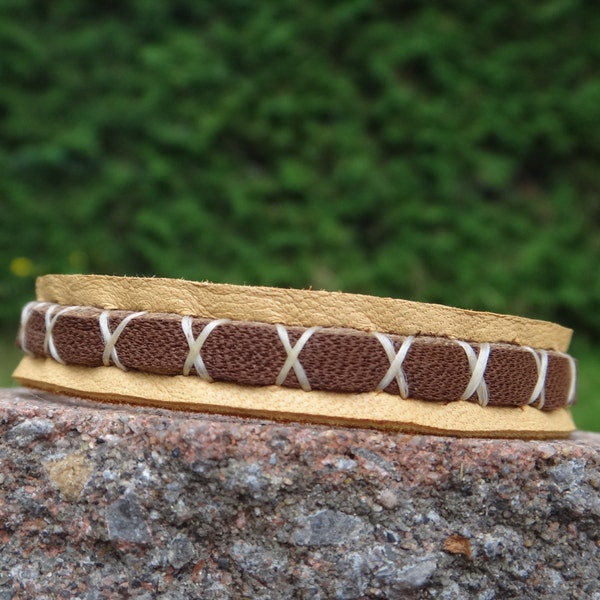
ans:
(104, 501)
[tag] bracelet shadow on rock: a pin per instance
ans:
(113, 339)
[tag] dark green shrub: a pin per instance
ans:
(442, 151)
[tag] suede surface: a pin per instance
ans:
(303, 308)
(371, 409)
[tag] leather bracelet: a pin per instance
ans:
(413, 374)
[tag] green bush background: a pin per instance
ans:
(443, 151)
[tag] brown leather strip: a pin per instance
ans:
(334, 359)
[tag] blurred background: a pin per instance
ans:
(442, 151)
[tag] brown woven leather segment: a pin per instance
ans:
(557, 381)
(511, 375)
(437, 371)
(334, 359)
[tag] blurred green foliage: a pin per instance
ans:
(444, 151)
(441, 151)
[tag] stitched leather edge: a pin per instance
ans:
(155, 343)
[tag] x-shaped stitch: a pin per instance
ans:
(110, 339)
(573, 382)
(194, 358)
(25, 316)
(292, 357)
(541, 362)
(50, 322)
(477, 365)
(396, 359)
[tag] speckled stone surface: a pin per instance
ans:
(103, 501)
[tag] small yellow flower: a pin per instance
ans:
(21, 266)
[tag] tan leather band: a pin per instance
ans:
(303, 308)
(371, 409)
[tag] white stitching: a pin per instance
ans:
(477, 363)
(110, 339)
(395, 370)
(25, 316)
(50, 321)
(292, 361)
(573, 381)
(539, 391)
(194, 358)
(477, 366)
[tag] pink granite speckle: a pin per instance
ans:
(103, 501)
